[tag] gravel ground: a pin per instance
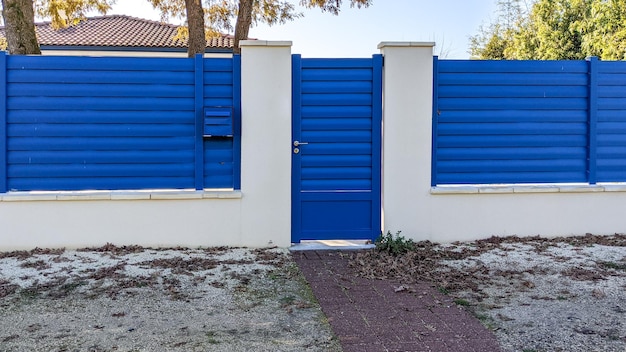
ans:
(139, 299)
(562, 294)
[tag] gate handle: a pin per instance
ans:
(297, 143)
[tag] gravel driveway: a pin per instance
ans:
(137, 299)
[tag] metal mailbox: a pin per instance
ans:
(218, 122)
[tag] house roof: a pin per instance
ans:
(119, 31)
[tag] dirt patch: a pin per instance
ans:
(140, 299)
(536, 294)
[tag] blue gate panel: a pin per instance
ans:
(78, 123)
(337, 114)
(510, 122)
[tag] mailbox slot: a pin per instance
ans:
(218, 122)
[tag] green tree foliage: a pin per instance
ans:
(554, 29)
(65, 13)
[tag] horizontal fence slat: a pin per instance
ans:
(336, 99)
(487, 166)
(514, 177)
(337, 149)
(521, 66)
(99, 103)
(336, 63)
(512, 141)
(611, 67)
(512, 103)
(313, 137)
(343, 74)
(336, 185)
(100, 170)
(99, 117)
(336, 124)
(513, 91)
(100, 90)
(488, 116)
(99, 183)
(511, 128)
(82, 63)
(335, 111)
(101, 157)
(529, 153)
(321, 173)
(341, 87)
(100, 143)
(100, 77)
(94, 130)
(506, 79)
(336, 160)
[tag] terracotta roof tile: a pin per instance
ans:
(119, 31)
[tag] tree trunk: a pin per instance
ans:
(195, 23)
(19, 20)
(244, 21)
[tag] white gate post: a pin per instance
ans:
(266, 142)
(407, 136)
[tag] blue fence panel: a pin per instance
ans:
(510, 122)
(77, 123)
(611, 121)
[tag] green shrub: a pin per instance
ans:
(394, 245)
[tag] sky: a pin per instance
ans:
(357, 32)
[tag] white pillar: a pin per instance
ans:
(266, 142)
(407, 136)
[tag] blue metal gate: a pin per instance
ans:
(336, 148)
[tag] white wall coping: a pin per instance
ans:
(406, 44)
(265, 43)
(528, 188)
(149, 194)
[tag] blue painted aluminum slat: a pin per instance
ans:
(98, 103)
(522, 128)
(512, 104)
(72, 63)
(496, 91)
(97, 77)
(100, 170)
(100, 183)
(95, 130)
(101, 157)
(338, 124)
(337, 63)
(100, 143)
(335, 111)
(479, 66)
(336, 99)
(495, 154)
(510, 115)
(99, 117)
(104, 90)
(507, 79)
(334, 87)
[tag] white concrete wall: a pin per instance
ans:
(266, 142)
(445, 214)
(258, 215)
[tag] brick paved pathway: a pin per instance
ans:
(379, 315)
